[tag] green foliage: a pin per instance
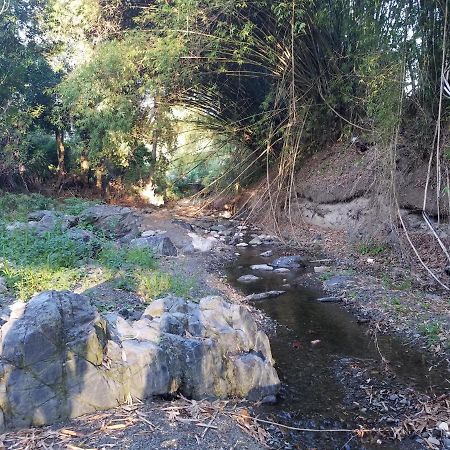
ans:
(397, 285)
(431, 331)
(371, 249)
(16, 207)
(151, 285)
(75, 205)
(33, 264)
(121, 258)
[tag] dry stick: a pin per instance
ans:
(441, 244)
(441, 91)
(307, 430)
(416, 251)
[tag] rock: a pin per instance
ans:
(80, 235)
(36, 216)
(329, 300)
(269, 400)
(264, 295)
(321, 269)
(59, 358)
(255, 241)
(337, 282)
(443, 426)
(3, 287)
(161, 245)
(183, 224)
(248, 279)
(267, 254)
(262, 267)
(217, 228)
(116, 221)
(281, 270)
(242, 244)
(148, 233)
(48, 223)
(202, 244)
(432, 441)
(289, 262)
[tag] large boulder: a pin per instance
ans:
(116, 221)
(160, 245)
(60, 358)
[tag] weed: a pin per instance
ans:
(371, 249)
(402, 285)
(326, 276)
(16, 207)
(431, 331)
(151, 285)
(75, 205)
(126, 258)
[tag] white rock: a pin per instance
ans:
(242, 244)
(321, 269)
(148, 233)
(281, 270)
(248, 279)
(267, 254)
(443, 426)
(255, 241)
(264, 267)
(202, 244)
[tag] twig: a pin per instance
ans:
(308, 430)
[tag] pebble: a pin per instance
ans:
(281, 270)
(267, 254)
(443, 426)
(242, 244)
(321, 269)
(264, 267)
(247, 279)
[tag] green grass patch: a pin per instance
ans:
(16, 207)
(400, 285)
(431, 331)
(122, 258)
(151, 285)
(32, 263)
(75, 206)
(371, 249)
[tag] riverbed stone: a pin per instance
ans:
(59, 358)
(248, 279)
(289, 262)
(262, 267)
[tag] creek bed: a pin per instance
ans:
(312, 343)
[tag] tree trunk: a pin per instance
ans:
(61, 153)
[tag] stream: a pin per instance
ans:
(315, 391)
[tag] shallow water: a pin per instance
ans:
(312, 393)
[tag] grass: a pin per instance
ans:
(33, 263)
(121, 258)
(151, 285)
(431, 331)
(16, 207)
(401, 285)
(371, 249)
